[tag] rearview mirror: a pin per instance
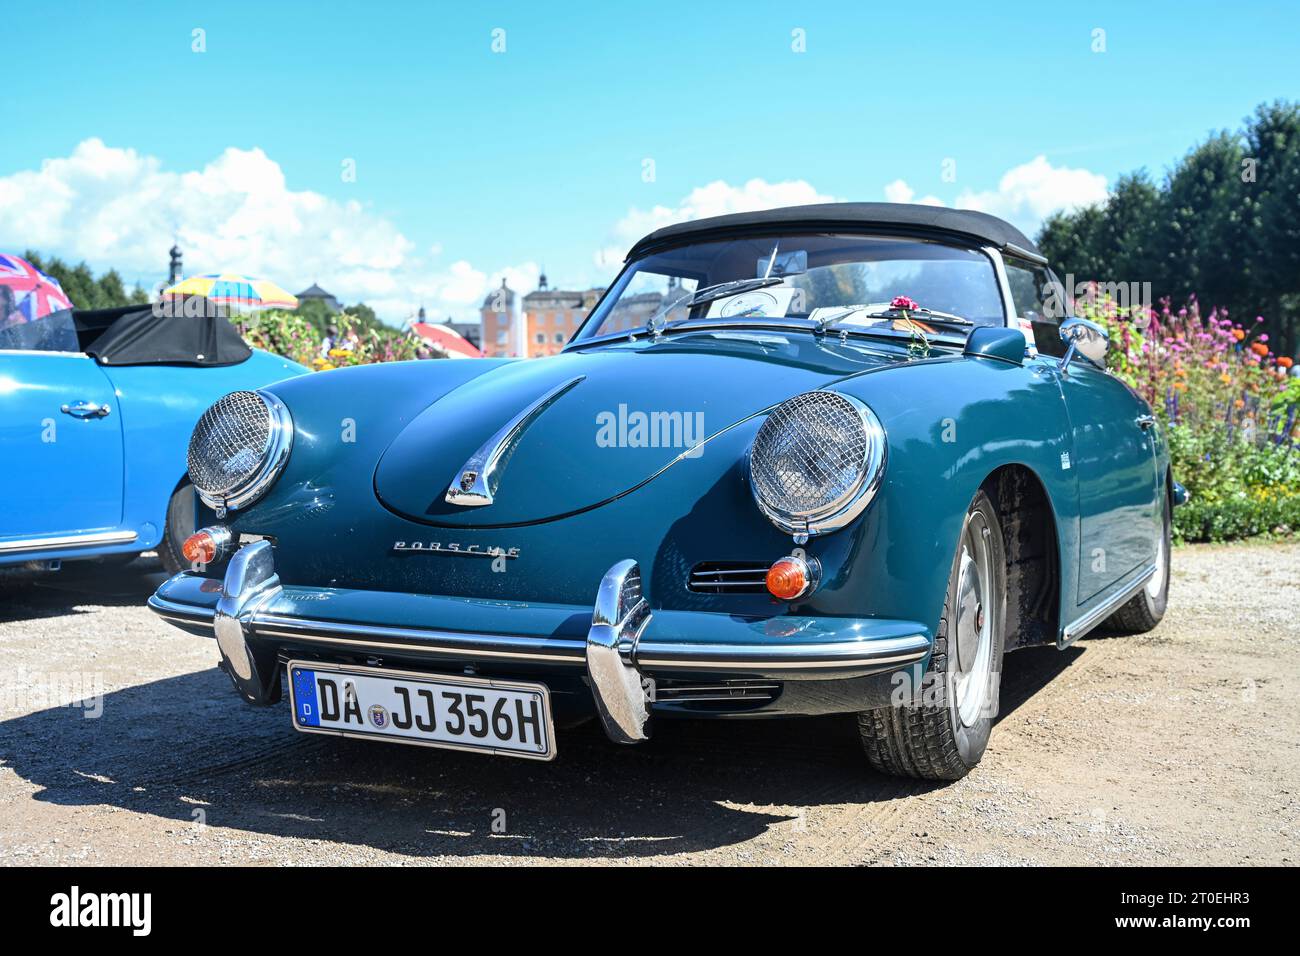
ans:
(1087, 338)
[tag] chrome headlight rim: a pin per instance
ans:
(842, 510)
(275, 455)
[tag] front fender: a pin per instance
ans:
(950, 424)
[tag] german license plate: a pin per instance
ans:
(460, 713)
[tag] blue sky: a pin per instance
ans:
(470, 162)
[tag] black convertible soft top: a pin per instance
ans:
(175, 332)
(844, 216)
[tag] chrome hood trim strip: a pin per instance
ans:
(476, 485)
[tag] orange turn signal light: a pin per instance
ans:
(204, 545)
(790, 577)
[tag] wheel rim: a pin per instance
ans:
(974, 620)
(1157, 582)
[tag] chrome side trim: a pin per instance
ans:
(476, 484)
(88, 540)
(617, 622)
(1082, 625)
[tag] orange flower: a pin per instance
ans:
(1259, 348)
(1285, 361)
(1239, 403)
(1181, 386)
(1238, 334)
(1225, 378)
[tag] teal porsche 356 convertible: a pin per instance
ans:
(834, 459)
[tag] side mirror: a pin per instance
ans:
(1087, 338)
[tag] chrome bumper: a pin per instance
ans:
(625, 648)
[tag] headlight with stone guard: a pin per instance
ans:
(238, 448)
(817, 462)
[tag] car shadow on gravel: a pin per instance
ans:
(183, 749)
(28, 596)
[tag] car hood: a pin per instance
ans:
(632, 410)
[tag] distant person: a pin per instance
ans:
(9, 314)
(327, 343)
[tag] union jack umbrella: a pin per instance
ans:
(31, 293)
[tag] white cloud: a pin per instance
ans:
(117, 208)
(899, 191)
(1026, 194)
(714, 199)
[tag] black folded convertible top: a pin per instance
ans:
(845, 216)
(173, 333)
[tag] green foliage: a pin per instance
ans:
(1224, 224)
(81, 286)
(1230, 414)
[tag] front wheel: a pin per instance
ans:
(178, 527)
(940, 733)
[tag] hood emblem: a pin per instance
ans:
(476, 485)
(456, 549)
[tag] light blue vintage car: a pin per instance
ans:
(96, 409)
(818, 460)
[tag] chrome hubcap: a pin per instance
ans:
(973, 641)
(1158, 579)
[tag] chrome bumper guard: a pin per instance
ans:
(621, 655)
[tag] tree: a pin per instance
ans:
(83, 289)
(1128, 228)
(1223, 225)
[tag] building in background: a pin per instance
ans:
(174, 270)
(498, 320)
(540, 323)
(315, 293)
(551, 316)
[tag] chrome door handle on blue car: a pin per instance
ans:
(86, 410)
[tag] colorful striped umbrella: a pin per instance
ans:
(228, 288)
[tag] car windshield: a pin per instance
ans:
(835, 280)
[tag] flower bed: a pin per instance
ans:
(293, 337)
(1230, 411)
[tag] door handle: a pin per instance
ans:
(1145, 421)
(86, 410)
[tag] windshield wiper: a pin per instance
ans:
(927, 315)
(655, 324)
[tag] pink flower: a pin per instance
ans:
(903, 302)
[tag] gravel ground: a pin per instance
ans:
(1181, 746)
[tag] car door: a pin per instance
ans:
(61, 436)
(1113, 453)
